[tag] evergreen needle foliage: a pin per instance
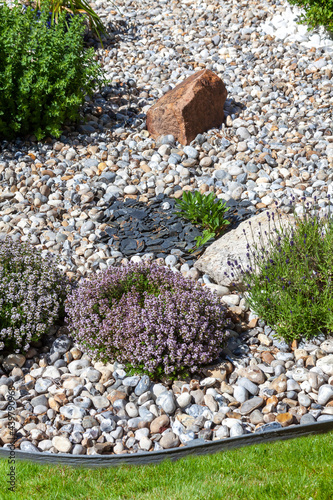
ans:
(204, 211)
(289, 278)
(45, 72)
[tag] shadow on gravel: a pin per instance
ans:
(118, 106)
(116, 30)
(233, 108)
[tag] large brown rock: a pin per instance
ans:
(191, 108)
(233, 246)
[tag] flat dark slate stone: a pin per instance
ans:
(154, 241)
(138, 214)
(134, 227)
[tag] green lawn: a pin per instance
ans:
(297, 469)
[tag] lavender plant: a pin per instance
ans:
(288, 281)
(32, 294)
(147, 317)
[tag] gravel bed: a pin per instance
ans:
(66, 403)
(276, 141)
(66, 195)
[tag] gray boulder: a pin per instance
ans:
(233, 246)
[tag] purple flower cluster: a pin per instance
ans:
(148, 317)
(32, 294)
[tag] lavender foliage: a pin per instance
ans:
(289, 278)
(32, 294)
(147, 317)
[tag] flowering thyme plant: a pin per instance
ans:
(32, 294)
(289, 278)
(149, 318)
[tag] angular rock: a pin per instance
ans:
(28, 447)
(191, 108)
(307, 419)
(271, 404)
(222, 432)
(143, 385)
(211, 403)
(88, 421)
(40, 400)
(78, 366)
(71, 411)
(272, 426)
(100, 402)
(167, 402)
(61, 344)
(279, 384)
(133, 423)
(42, 385)
(6, 436)
(131, 381)
(51, 372)
(327, 346)
(12, 361)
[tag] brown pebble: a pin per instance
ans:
(194, 385)
(159, 424)
(279, 384)
(285, 419)
(114, 395)
(290, 402)
(310, 361)
(270, 417)
(271, 404)
(253, 323)
(267, 357)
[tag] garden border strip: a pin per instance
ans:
(155, 457)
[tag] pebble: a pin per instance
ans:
(62, 444)
(325, 394)
(236, 430)
(29, 447)
(169, 440)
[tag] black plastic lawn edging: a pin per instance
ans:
(155, 457)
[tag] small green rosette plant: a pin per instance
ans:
(204, 211)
